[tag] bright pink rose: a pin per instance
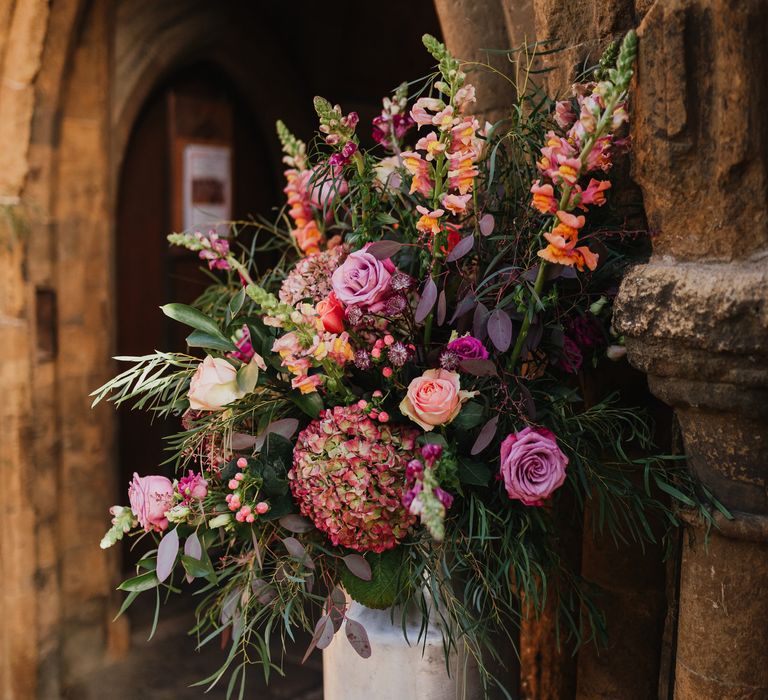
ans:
(331, 313)
(151, 497)
(193, 486)
(532, 465)
(363, 281)
(434, 398)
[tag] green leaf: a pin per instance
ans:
(470, 416)
(196, 567)
(144, 582)
(190, 316)
(236, 303)
(201, 339)
(672, 491)
(311, 404)
(247, 376)
(386, 580)
(474, 473)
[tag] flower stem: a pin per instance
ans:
(537, 287)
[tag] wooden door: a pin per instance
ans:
(195, 106)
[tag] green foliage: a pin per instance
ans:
(385, 587)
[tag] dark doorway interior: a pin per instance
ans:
(195, 104)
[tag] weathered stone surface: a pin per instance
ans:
(696, 316)
(699, 154)
(722, 638)
(470, 27)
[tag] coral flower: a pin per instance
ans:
(562, 249)
(463, 172)
(594, 194)
(431, 144)
(419, 169)
(456, 203)
(543, 198)
(429, 221)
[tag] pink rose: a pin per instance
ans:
(363, 281)
(214, 384)
(532, 465)
(434, 398)
(151, 497)
(331, 313)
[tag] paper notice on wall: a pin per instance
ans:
(207, 178)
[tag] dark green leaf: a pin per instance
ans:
(140, 583)
(201, 339)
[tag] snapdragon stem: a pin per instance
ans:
(537, 287)
(563, 205)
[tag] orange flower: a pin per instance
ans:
(562, 248)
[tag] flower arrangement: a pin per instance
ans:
(394, 409)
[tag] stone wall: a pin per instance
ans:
(695, 320)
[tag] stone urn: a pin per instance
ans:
(397, 669)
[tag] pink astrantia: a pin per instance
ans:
(532, 465)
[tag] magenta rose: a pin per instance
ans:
(193, 486)
(468, 348)
(151, 497)
(532, 465)
(363, 281)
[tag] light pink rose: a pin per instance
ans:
(434, 398)
(214, 385)
(363, 281)
(532, 465)
(151, 497)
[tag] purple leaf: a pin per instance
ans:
(479, 321)
(285, 427)
(358, 638)
(461, 248)
(242, 441)
(194, 550)
(530, 275)
(322, 636)
(427, 301)
(166, 554)
(441, 308)
(297, 551)
(530, 404)
(295, 523)
(337, 607)
(358, 566)
(465, 305)
(479, 368)
(500, 329)
(381, 250)
(485, 436)
(487, 224)
(264, 593)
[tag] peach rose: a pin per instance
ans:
(331, 313)
(214, 385)
(434, 398)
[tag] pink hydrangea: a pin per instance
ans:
(348, 477)
(310, 279)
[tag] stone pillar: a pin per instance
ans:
(469, 27)
(696, 316)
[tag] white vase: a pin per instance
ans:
(396, 670)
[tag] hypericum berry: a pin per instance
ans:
(262, 507)
(242, 463)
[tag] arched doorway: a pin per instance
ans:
(194, 108)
